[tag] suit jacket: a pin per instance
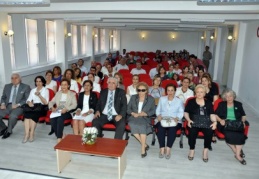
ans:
(22, 93)
(71, 101)
(238, 110)
(92, 101)
(120, 101)
(148, 106)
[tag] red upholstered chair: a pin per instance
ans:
(104, 83)
(51, 96)
(131, 66)
(58, 84)
(79, 87)
(166, 82)
(127, 82)
(146, 67)
(125, 73)
(165, 64)
(143, 77)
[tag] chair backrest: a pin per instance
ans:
(166, 82)
(58, 84)
(97, 94)
(79, 87)
(51, 94)
(143, 77)
(165, 65)
(146, 67)
(186, 102)
(216, 103)
(124, 72)
(131, 66)
(127, 82)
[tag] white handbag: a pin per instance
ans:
(168, 121)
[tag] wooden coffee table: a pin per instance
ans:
(103, 147)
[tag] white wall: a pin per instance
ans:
(249, 83)
(132, 41)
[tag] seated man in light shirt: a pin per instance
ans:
(80, 64)
(138, 70)
(104, 69)
(93, 71)
(121, 65)
(184, 92)
(154, 71)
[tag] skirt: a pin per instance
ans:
(139, 125)
(34, 115)
(234, 138)
(87, 118)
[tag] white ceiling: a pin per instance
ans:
(141, 15)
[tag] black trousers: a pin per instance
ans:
(120, 125)
(57, 123)
(193, 134)
(161, 134)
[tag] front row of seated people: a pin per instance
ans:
(112, 108)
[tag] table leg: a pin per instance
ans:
(121, 164)
(63, 158)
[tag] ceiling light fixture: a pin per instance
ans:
(9, 33)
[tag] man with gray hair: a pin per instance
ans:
(111, 108)
(14, 96)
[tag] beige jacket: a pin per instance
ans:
(71, 101)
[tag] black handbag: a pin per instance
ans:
(236, 126)
(36, 108)
(201, 121)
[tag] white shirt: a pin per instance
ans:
(121, 67)
(51, 85)
(83, 69)
(179, 71)
(183, 95)
(96, 79)
(152, 73)
(140, 105)
(105, 110)
(85, 104)
(96, 87)
(132, 90)
(104, 70)
(44, 92)
(135, 71)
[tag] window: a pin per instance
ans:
(102, 40)
(83, 40)
(96, 41)
(50, 41)
(32, 41)
(111, 40)
(11, 43)
(115, 40)
(74, 40)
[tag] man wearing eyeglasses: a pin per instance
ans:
(111, 108)
(14, 96)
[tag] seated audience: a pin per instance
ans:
(57, 73)
(13, 97)
(104, 67)
(110, 71)
(64, 103)
(192, 84)
(70, 75)
(199, 75)
(184, 92)
(99, 71)
(177, 79)
(212, 93)
(171, 106)
(138, 70)
(131, 60)
(140, 109)
(199, 107)
(185, 71)
(78, 75)
(119, 77)
(111, 60)
(85, 108)
(80, 64)
(162, 73)
(50, 84)
(95, 87)
(232, 110)
(121, 65)
(170, 72)
(132, 89)
(177, 69)
(36, 107)
(73, 66)
(96, 77)
(136, 56)
(154, 71)
(156, 91)
(111, 108)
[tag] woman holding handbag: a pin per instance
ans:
(200, 117)
(229, 112)
(169, 114)
(35, 108)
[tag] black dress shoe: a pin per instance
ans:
(51, 132)
(3, 131)
(6, 135)
(144, 155)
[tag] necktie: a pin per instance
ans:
(14, 95)
(109, 114)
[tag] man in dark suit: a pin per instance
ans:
(111, 108)
(14, 96)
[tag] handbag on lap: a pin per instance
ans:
(202, 120)
(168, 121)
(236, 126)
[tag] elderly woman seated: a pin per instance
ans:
(172, 108)
(231, 111)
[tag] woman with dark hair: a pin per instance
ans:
(119, 77)
(156, 91)
(38, 98)
(57, 73)
(200, 72)
(70, 75)
(63, 103)
(232, 110)
(50, 84)
(78, 75)
(177, 79)
(85, 108)
(140, 109)
(162, 73)
(185, 71)
(172, 107)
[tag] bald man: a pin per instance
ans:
(14, 96)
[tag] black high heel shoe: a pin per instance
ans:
(147, 148)
(205, 160)
(214, 141)
(144, 155)
(242, 154)
(243, 162)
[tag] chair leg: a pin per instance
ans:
(127, 135)
(153, 137)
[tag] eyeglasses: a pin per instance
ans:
(141, 90)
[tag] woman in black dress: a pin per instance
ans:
(232, 110)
